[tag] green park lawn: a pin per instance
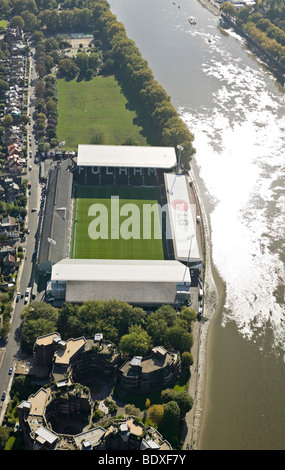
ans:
(87, 108)
(85, 247)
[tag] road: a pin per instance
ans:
(11, 349)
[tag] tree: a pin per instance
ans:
(4, 436)
(32, 329)
(184, 401)
(182, 398)
(67, 68)
(7, 120)
(171, 416)
(168, 313)
(38, 36)
(186, 317)
(30, 20)
(157, 328)
(5, 330)
(137, 342)
(38, 319)
(156, 413)
(131, 410)
(228, 9)
(167, 395)
(4, 86)
(187, 360)
(5, 9)
(17, 21)
(41, 70)
(179, 339)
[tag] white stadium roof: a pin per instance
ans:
(120, 270)
(126, 156)
(182, 215)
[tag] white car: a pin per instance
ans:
(27, 295)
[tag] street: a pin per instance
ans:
(11, 349)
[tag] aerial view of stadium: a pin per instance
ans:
(114, 227)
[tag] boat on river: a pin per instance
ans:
(191, 20)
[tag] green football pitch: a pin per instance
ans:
(109, 222)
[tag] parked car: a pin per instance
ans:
(18, 296)
(27, 295)
(3, 396)
(10, 370)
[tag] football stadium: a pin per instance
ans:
(119, 222)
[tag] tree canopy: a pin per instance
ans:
(130, 328)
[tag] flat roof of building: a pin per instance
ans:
(63, 355)
(183, 216)
(126, 156)
(120, 270)
(94, 436)
(46, 435)
(46, 339)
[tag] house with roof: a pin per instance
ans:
(10, 261)
(16, 165)
(14, 150)
(9, 227)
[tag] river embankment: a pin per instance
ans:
(197, 384)
(212, 6)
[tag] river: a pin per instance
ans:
(235, 108)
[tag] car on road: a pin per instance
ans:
(3, 396)
(10, 370)
(30, 167)
(27, 295)
(18, 296)
(34, 209)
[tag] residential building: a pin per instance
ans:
(153, 372)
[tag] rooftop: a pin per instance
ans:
(94, 436)
(46, 339)
(182, 218)
(126, 156)
(120, 270)
(63, 355)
